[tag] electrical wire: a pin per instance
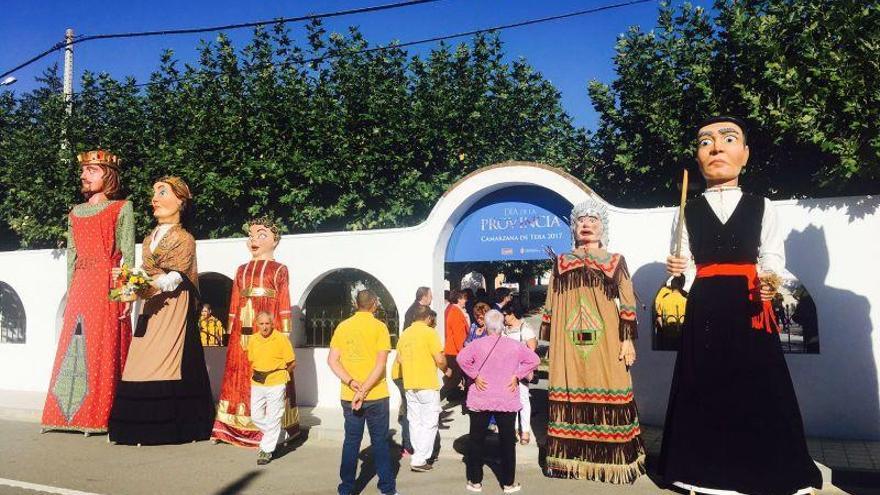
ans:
(227, 27)
(392, 46)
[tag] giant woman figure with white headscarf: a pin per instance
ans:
(593, 431)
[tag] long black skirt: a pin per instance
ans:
(167, 411)
(733, 421)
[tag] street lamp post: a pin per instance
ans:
(8, 81)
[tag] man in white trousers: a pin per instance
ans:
(272, 360)
(419, 356)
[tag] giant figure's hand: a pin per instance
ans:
(675, 266)
(126, 311)
(627, 353)
(769, 285)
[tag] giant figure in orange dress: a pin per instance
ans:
(96, 331)
(260, 285)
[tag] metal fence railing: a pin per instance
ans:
(12, 318)
(320, 322)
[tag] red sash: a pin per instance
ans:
(765, 319)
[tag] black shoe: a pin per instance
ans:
(421, 469)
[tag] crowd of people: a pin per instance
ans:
(733, 424)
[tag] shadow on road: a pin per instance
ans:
(368, 465)
(240, 484)
(286, 448)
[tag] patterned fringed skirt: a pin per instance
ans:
(599, 441)
(593, 431)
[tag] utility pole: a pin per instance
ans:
(68, 86)
(68, 70)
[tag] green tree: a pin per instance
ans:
(38, 176)
(808, 74)
(803, 73)
(352, 139)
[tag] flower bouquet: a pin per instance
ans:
(127, 283)
(771, 281)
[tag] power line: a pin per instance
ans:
(435, 39)
(227, 27)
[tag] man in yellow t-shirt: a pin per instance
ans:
(272, 360)
(420, 355)
(358, 355)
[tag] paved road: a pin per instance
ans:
(91, 465)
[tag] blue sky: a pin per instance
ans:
(569, 52)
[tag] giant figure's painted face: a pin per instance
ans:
(91, 179)
(166, 206)
(261, 241)
(588, 230)
(721, 151)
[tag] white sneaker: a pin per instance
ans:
(512, 488)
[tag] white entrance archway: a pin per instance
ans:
(453, 205)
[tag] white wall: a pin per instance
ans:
(832, 246)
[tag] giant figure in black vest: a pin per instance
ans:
(733, 424)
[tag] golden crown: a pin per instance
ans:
(98, 157)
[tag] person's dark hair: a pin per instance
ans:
(422, 292)
(366, 299)
(470, 293)
(501, 293)
(423, 313)
(480, 309)
(677, 283)
(208, 307)
(726, 118)
(456, 294)
(513, 308)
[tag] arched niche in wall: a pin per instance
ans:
(215, 290)
(793, 307)
(331, 300)
(13, 322)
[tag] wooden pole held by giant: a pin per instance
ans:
(679, 228)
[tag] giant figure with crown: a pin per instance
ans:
(96, 332)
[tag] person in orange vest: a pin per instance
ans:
(457, 325)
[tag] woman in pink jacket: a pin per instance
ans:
(496, 364)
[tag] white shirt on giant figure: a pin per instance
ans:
(169, 281)
(723, 200)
